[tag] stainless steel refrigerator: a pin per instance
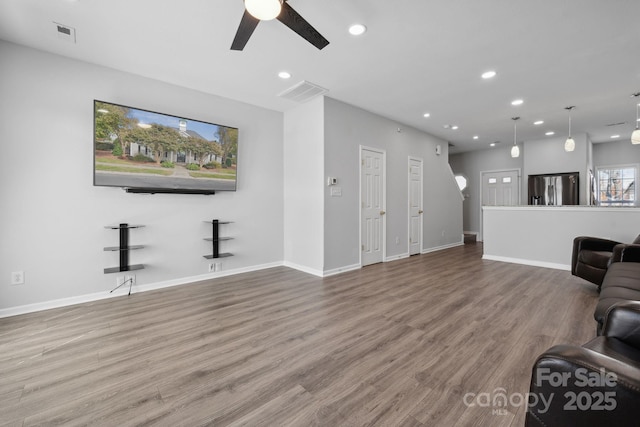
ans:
(554, 189)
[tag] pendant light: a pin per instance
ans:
(515, 150)
(569, 144)
(263, 10)
(635, 136)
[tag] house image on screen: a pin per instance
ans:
(179, 156)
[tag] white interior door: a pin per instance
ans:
(499, 188)
(415, 206)
(372, 176)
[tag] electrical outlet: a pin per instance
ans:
(130, 279)
(120, 280)
(212, 267)
(218, 266)
(17, 278)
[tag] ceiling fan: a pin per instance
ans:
(263, 10)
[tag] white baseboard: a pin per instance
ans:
(303, 268)
(443, 247)
(530, 262)
(396, 257)
(124, 290)
(339, 270)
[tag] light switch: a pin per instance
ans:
(336, 191)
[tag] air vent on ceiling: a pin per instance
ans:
(65, 32)
(302, 92)
(617, 124)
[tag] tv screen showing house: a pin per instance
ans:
(141, 149)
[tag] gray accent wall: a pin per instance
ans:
(346, 129)
(547, 156)
(615, 153)
(471, 164)
(539, 157)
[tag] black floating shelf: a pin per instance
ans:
(123, 248)
(127, 268)
(118, 248)
(222, 255)
(216, 239)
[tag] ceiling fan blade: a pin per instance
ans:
(297, 23)
(247, 25)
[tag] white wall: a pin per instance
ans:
(346, 129)
(53, 218)
(303, 179)
(543, 235)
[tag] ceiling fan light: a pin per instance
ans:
(569, 145)
(635, 137)
(515, 151)
(263, 10)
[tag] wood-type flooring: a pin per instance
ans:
(404, 343)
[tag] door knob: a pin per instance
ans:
(382, 212)
(420, 211)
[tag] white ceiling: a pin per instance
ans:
(417, 56)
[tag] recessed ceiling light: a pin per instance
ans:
(454, 127)
(489, 74)
(426, 115)
(550, 133)
(357, 29)
(615, 136)
(475, 136)
(517, 102)
(493, 144)
(284, 75)
(539, 122)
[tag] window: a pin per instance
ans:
(462, 182)
(616, 185)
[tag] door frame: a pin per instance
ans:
(481, 182)
(421, 160)
(384, 200)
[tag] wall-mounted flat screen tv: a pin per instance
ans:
(148, 152)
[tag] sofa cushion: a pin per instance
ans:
(599, 259)
(621, 283)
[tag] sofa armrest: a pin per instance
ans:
(594, 243)
(626, 253)
(622, 321)
(589, 243)
(576, 386)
